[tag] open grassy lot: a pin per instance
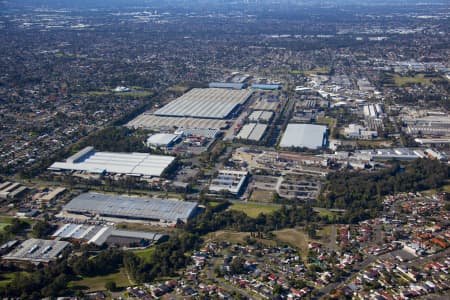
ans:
(408, 80)
(261, 196)
(294, 237)
(98, 283)
(252, 209)
(145, 254)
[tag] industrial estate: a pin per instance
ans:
(224, 150)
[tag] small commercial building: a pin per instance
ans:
(229, 180)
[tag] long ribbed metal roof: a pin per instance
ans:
(205, 103)
(124, 163)
(120, 206)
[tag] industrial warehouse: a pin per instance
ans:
(209, 103)
(99, 235)
(135, 164)
(37, 251)
(304, 135)
(252, 131)
(118, 208)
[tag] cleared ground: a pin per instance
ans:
(252, 209)
(228, 236)
(98, 283)
(294, 237)
(235, 237)
(261, 196)
(297, 237)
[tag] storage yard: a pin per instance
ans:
(136, 164)
(118, 208)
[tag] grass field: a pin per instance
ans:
(145, 254)
(98, 283)
(253, 210)
(261, 196)
(408, 80)
(324, 212)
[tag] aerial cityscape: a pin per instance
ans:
(214, 149)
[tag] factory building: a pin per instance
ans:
(37, 251)
(305, 136)
(229, 180)
(134, 164)
(119, 208)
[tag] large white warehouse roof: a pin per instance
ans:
(304, 135)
